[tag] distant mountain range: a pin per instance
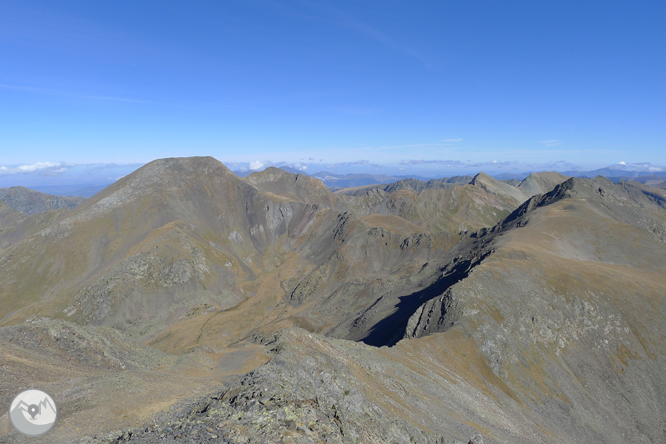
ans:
(336, 181)
(621, 171)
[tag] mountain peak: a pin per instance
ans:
(300, 187)
(481, 178)
(162, 181)
(541, 183)
(494, 186)
(188, 165)
(270, 174)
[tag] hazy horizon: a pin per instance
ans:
(86, 180)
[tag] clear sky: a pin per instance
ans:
(401, 84)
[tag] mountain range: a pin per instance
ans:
(184, 300)
(617, 172)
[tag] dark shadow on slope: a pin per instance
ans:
(391, 329)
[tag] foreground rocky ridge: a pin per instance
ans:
(541, 322)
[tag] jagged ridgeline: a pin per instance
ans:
(411, 312)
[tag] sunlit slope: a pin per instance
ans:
(350, 264)
(32, 202)
(174, 235)
(10, 219)
(351, 274)
(104, 381)
(327, 277)
(185, 248)
(183, 253)
(15, 225)
(296, 187)
(541, 183)
(555, 335)
(546, 327)
(569, 310)
(451, 207)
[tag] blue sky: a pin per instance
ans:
(418, 87)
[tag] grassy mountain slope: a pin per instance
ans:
(32, 202)
(173, 236)
(568, 310)
(540, 319)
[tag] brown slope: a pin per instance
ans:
(481, 203)
(32, 202)
(174, 235)
(15, 225)
(9, 217)
(541, 183)
(182, 241)
(581, 264)
(298, 187)
(339, 268)
(568, 310)
(347, 264)
(103, 381)
(496, 187)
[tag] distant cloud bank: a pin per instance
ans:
(458, 163)
(59, 168)
(44, 168)
(64, 178)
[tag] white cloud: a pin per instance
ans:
(257, 165)
(623, 163)
(494, 163)
(37, 166)
(446, 163)
(557, 165)
(458, 163)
